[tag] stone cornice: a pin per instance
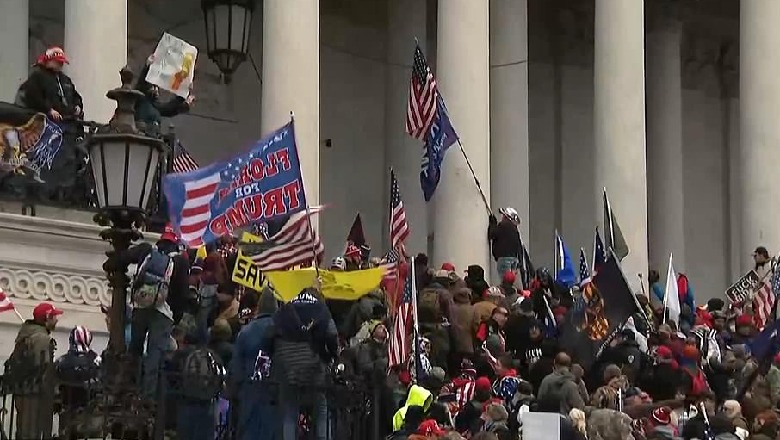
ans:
(44, 259)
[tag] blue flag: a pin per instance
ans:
(440, 137)
(765, 344)
(566, 274)
(258, 186)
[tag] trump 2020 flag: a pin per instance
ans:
(257, 186)
(441, 136)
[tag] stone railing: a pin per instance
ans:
(45, 259)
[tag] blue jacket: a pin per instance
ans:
(255, 336)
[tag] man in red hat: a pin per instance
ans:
(48, 90)
(31, 363)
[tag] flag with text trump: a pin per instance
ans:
(257, 186)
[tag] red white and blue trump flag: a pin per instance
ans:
(257, 186)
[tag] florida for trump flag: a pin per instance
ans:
(257, 186)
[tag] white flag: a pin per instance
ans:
(174, 65)
(671, 297)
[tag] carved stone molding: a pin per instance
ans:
(54, 286)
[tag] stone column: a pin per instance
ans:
(509, 172)
(291, 80)
(759, 142)
(96, 45)
(619, 117)
(14, 47)
(406, 21)
(664, 141)
(460, 223)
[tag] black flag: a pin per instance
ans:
(605, 305)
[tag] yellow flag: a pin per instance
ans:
(347, 286)
(245, 272)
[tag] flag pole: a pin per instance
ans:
(21, 318)
(415, 322)
(474, 175)
(308, 217)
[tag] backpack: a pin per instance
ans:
(152, 279)
(429, 306)
(698, 383)
(202, 375)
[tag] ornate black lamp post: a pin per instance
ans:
(228, 27)
(124, 165)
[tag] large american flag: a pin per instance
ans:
(399, 347)
(293, 245)
(423, 94)
(196, 212)
(399, 228)
(182, 160)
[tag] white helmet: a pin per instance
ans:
(338, 263)
(511, 213)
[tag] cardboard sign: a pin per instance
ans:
(245, 272)
(743, 288)
(174, 65)
(541, 426)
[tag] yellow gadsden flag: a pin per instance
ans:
(347, 286)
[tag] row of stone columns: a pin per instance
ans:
(483, 75)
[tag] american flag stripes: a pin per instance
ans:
(423, 95)
(399, 228)
(293, 245)
(182, 160)
(196, 213)
(399, 346)
(762, 305)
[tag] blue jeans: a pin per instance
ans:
(207, 305)
(257, 415)
(504, 264)
(155, 328)
(195, 420)
(290, 405)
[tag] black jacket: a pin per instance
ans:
(504, 238)
(149, 109)
(179, 290)
(46, 89)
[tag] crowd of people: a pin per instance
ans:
(485, 359)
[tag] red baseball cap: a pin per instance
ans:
(43, 311)
(54, 53)
(449, 267)
(430, 427)
(169, 234)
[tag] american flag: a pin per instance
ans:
(584, 272)
(399, 347)
(196, 212)
(599, 257)
(293, 245)
(764, 300)
(423, 94)
(182, 160)
(399, 228)
(389, 263)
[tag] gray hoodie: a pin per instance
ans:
(560, 386)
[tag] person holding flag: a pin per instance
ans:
(505, 243)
